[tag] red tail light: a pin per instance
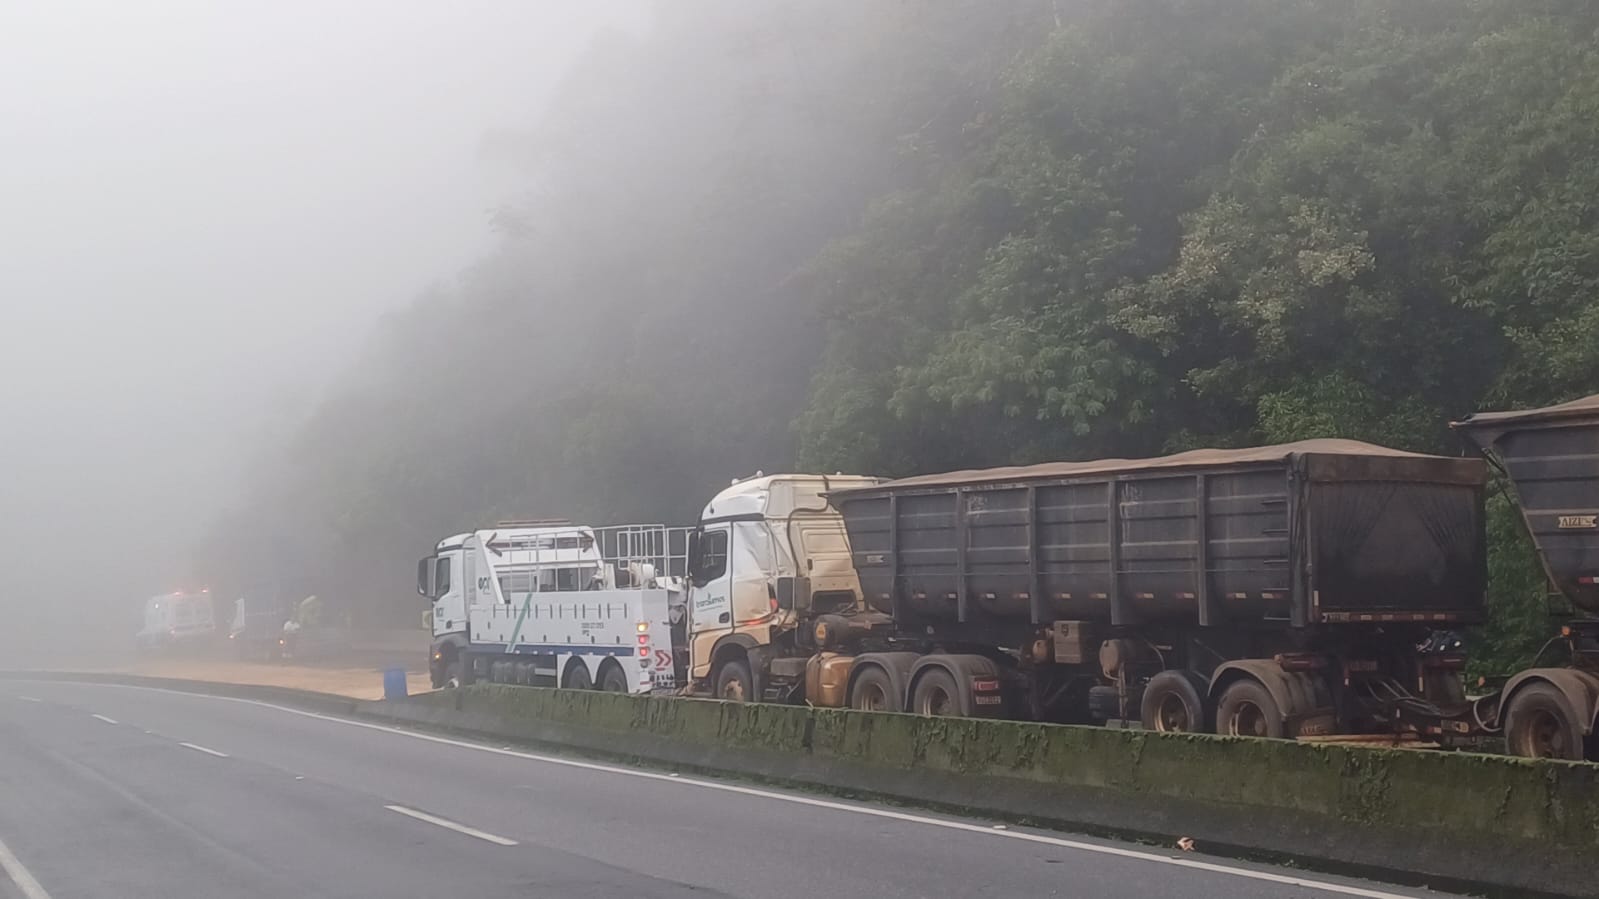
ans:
(985, 685)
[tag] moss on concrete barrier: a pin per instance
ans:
(1456, 818)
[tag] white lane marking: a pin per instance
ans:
(1117, 851)
(30, 699)
(19, 875)
(447, 823)
(105, 719)
(198, 748)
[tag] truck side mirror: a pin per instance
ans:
(693, 560)
(794, 594)
(424, 571)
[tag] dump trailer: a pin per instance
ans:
(1550, 458)
(1291, 590)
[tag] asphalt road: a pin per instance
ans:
(125, 793)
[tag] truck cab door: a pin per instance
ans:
(449, 597)
(710, 597)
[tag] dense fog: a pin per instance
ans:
(289, 298)
(204, 210)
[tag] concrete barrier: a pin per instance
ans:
(1456, 819)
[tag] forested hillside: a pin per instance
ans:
(895, 237)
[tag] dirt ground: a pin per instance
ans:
(357, 682)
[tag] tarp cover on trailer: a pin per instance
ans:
(1579, 408)
(1199, 458)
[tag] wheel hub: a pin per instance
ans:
(1172, 716)
(1248, 721)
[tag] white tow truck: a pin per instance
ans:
(554, 604)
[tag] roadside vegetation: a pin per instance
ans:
(903, 237)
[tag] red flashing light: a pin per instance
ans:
(643, 639)
(644, 651)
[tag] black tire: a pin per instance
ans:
(873, 691)
(612, 680)
(1247, 709)
(734, 682)
(1172, 705)
(937, 695)
(1539, 726)
(577, 676)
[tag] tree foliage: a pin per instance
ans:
(905, 237)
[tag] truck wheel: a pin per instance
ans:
(937, 695)
(734, 682)
(1172, 705)
(577, 676)
(1538, 726)
(1246, 709)
(874, 692)
(612, 680)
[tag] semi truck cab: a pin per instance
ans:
(768, 553)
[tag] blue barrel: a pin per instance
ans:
(394, 683)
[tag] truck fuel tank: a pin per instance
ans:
(827, 679)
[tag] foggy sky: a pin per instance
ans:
(203, 208)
